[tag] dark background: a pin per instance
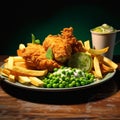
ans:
(21, 18)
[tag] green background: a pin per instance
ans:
(23, 18)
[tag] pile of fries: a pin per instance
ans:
(15, 68)
(101, 64)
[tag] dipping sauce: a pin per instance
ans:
(104, 28)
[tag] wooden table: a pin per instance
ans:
(98, 102)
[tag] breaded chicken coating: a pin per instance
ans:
(35, 56)
(68, 36)
(60, 48)
(63, 45)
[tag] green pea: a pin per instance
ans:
(73, 83)
(83, 82)
(77, 79)
(71, 72)
(72, 79)
(81, 78)
(66, 79)
(63, 72)
(61, 86)
(50, 76)
(63, 77)
(70, 85)
(49, 85)
(77, 84)
(51, 81)
(45, 85)
(55, 69)
(56, 80)
(62, 67)
(68, 73)
(55, 85)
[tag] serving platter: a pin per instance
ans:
(34, 88)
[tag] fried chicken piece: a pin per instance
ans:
(35, 56)
(63, 45)
(68, 36)
(60, 48)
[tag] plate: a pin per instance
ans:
(17, 84)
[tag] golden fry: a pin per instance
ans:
(105, 69)
(110, 63)
(15, 59)
(22, 64)
(24, 80)
(36, 81)
(87, 45)
(10, 62)
(5, 71)
(27, 72)
(18, 59)
(12, 78)
(97, 68)
(98, 52)
(4, 74)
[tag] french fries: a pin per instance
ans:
(36, 81)
(98, 52)
(15, 69)
(101, 64)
